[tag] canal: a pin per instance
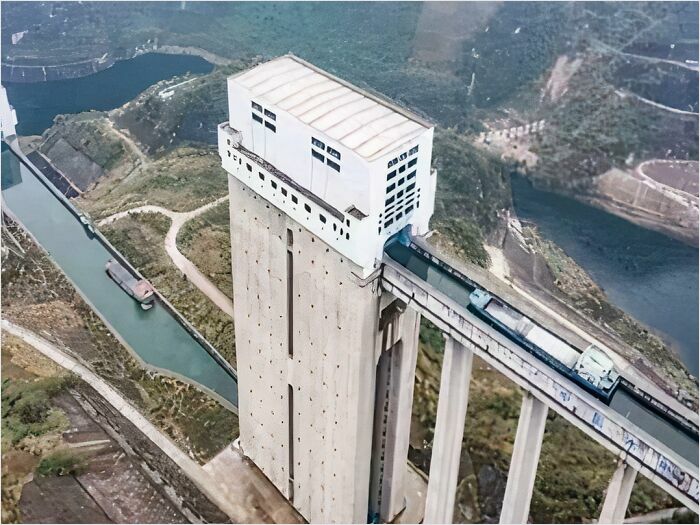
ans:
(155, 335)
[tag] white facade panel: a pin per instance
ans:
(284, 107)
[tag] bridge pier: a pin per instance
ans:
(396, 370)
(449, 429)
(617, 497)
(523, 463)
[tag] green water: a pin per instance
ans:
(155, 335)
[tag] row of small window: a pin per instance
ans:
(399, 182)
(320, 145)
(320, 157)
(403, 209)
(401, 169)
(295, 200)
(396, 198)
(403, 156)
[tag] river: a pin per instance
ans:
(652, 277)
(38, 103)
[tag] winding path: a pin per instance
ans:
(239, 490)
(178, 219)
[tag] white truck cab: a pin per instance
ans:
(596, 367)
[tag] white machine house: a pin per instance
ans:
(349, 165)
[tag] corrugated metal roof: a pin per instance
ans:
(358, 120)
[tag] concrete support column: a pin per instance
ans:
(618, 494)
(523, 463)
(396, 371)
(449, 429)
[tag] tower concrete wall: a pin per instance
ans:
(329, 371)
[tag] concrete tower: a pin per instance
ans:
(321, 174)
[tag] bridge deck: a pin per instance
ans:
(658, 449)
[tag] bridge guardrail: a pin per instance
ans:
(672, 473)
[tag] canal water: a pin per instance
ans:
(155, 335)
(650, 276)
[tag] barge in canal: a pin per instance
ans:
(140, 289)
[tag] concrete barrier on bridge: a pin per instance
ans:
(668, 470)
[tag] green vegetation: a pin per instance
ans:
(182, 180)
(596, 127)
(62, 462)
(473, 189)
(189, 116)
(27, 410)
(206, 241)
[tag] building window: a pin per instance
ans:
(413, 150)
(262, 177)
(401, 181)
(399, 194)
(390, 187)
(317, 155)
(257, 118)
(294, 199)
(273, 184)
(249, 167)
(411, 175)
(409, 209)
(388, 201)
(412, 162)
(347, 221)
(269, 114)
(307, 208)
(392, 162)
(256, 106)
(402, 169)
(270, 126)
(389, 223)
(229, 153)
(284, 191)
(403, 156)
(347, 236)
(228, 141)
(322, 218)
(410, 186)
(333, 165)
(318, 143)
(391, 175)
(333, 153)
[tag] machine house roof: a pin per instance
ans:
(360, 121)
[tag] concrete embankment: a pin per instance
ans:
(648, 202)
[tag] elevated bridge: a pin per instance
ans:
(645, 434)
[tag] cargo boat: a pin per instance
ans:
(140, 289)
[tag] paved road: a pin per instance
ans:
(178, 219)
